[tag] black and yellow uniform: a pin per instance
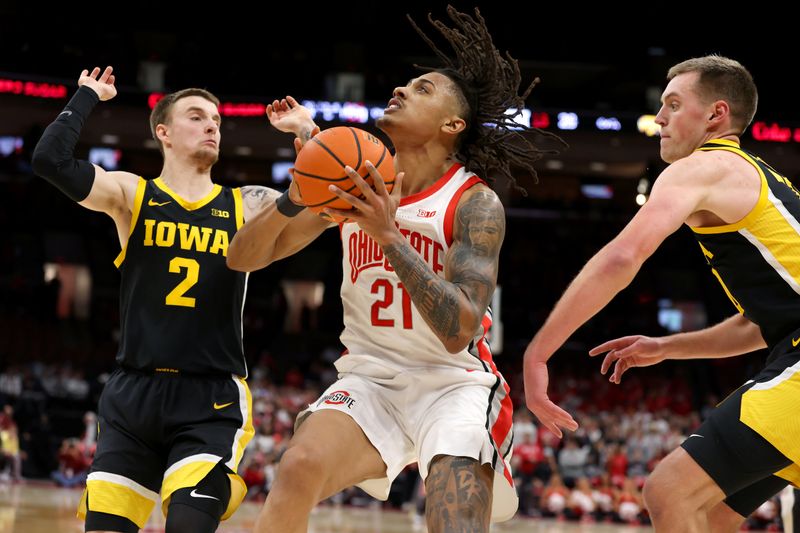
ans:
(752, 434)
(178, 406)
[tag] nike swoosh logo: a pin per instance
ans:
(153, 203)
(795, 342)
(66, 112)
(195, 494)
(222, 406)
(695, 435)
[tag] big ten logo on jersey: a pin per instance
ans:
(220, 213)
(364, 253)
(165, 234)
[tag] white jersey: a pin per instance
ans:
(382, 326)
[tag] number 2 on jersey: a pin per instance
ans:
(176, 296)
(384, 287)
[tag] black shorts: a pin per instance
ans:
(162, 432)
(750, 444)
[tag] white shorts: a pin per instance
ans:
(421, 413)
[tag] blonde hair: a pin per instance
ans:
(726, 79)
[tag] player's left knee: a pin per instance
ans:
(198, 509)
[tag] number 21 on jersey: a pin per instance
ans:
(385, 291)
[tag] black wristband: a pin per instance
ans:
(287, 207)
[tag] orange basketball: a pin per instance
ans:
(321, 163)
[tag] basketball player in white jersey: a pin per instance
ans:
(417, 382)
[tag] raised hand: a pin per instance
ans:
(103, 86)
(289, 116)
(375, 212)
(549, 414)
(628, 352)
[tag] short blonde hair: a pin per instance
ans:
(722, 78)
(160, 113)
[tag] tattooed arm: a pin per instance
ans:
(454, 306)
(267, 235)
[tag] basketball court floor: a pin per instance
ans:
(37, 508)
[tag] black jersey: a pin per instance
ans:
(180, 305)
(757, 259)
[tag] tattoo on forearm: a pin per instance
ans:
(305, 135)
(256, 197)
(435, 298)
(459, 497)
(471, 266)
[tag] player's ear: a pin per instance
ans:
(162, 133)
(454, 125)
(720, 110)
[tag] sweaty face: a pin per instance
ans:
(683, 118)
(422, 106)
(194, 129)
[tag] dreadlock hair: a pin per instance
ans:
(488, 82)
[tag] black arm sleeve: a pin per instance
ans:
(53, 157)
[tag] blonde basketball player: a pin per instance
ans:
(746, 218)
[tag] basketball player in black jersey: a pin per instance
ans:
(746, 218)
(175, 417)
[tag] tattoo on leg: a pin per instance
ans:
(459, 496)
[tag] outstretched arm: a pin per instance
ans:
(733, 336)
(54, 159)
(679, 191)
(452, 306)
(269, 233)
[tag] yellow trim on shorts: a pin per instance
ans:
(190, 474)
(248, 429)
(791, 474)
(137, 205)
(238, 492)
(115, 499)
(770, 409)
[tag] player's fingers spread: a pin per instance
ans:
(95, 72)
(613, 344)
(569, 423)
(345, 214)
(398, 185)
(347, 197)
(84, 72)
(359, 181)
(291, 100)
(608, 360)
(619, 369)
(377, 179)
(112, 79)
(627, 352)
